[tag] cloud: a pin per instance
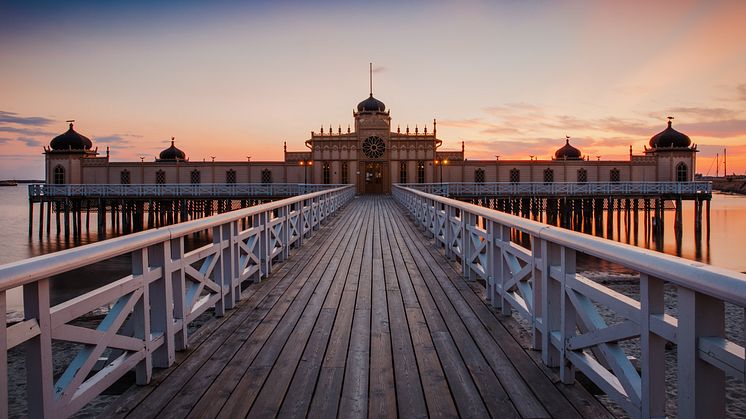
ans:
(699, 113)
(30, 142)
(28, 132)
(13, 118)
(741, 89)
(725, 128)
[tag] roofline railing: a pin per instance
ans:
(151, 308)
(551, 189)
(178, 190)
(541, 283)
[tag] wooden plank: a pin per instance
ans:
(462, 386)
(232, 393)
(276, 385)
(299, 395)
(382, 392)
(560, 400)
(410, 398)
(210, 358)
(516, 389)
(354, 401)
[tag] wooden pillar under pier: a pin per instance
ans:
(49, 216)
(30, 217)
(41, 218)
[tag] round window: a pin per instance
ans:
(373, 147)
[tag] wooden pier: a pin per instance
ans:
(363, 321)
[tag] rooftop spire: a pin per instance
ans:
(371, 78)
(670, 118)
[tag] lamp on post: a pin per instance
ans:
(305, 164)
(441, 163)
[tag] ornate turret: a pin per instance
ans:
(71, 140)
(670, 138)
(171, 154)
(568, 152)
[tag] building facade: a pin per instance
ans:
(371, 156)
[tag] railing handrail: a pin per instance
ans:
(724, 284)
(26, 271)
(565, 188)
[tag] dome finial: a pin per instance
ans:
(172, 140)
(371, 79)
(670, 118)
(567, 139)
(70, 121)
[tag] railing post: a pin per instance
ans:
(550, 300)
(141, 315)
(503, 238)
(3, 358)
(39, 381)
(538, 326)
(161, 306)
(470, 221)
(653, 349)
(701, 385)
(176, 274)
(567, 324)
(264, 242)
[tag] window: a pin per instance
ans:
(614, 175)
(266, 176)
(345, 173)
(196, 177)
(160, 177)
(326, 172)
(548, 176)
(59, 175)
(124, 177)
(403, 172)
(515, 175)
(230, 176)
(682, 172)
(420, 172)
(582, 176)
(479, 176)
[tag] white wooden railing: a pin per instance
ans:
(177, 190)
(540, 283)
(148, 310)
(563, 188)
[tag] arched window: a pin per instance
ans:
(230, 176)
(479, 175)
(420, 172)
(160, 177)
(582, 176)
(345, 173)
(403, 172)
(196, 176)
(682, 172)
(515, 175)
(327, 173)
(124, 177)
(266, 176)
(614, 175)
(548, 176)
(59, 175)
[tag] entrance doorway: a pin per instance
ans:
(373, 178)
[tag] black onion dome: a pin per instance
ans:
(172, 153)
(371, 104)
(669, 137)
(71, 140)
(568, 152)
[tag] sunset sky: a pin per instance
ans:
(510, 78)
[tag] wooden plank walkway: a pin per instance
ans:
(366, 319)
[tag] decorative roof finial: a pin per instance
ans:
(567, 139)
(71, 122)
(434, 126)
(285, 146)
(398, 129)
(670, 118)
(172, 140)
(371, 79)
(348, 128)
(462, 146)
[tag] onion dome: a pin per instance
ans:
(567, 152)
(371, 104)
(669, 137)
(70, 140)
(172, 153)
